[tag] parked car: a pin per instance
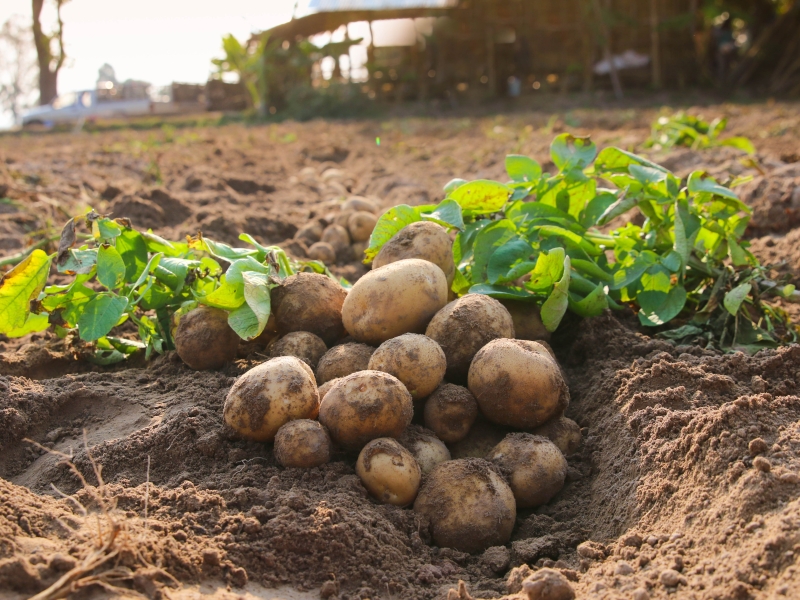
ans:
(88, 105)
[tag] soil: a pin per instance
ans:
(687, 483)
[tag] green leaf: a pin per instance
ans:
(453, 184)
(110, 267)
(591, 269)
(222, 251)
(672, 261)
(21, 285)
(502, 292)
(149, 268)
(647, 175)
(522, 169)
(100, 315)
(658, 307)
(158, 244)
(105, 229)
(681, 332)
(569, 152)
(132, 247)
(256, 294)
(390, 222)
(627, 275)
(446, 213)
(737, 253)
(227, 296)
(742, 143)
(556, 305)
(622, 205)
(33, 324)
(564, 234)
(701, 182)
(79, 262)
(592, 305)
(595, 209)
(486, 242)
(235, 271)
(244, 322)
(481, 196)
(499, 268)
(549, 267)
(616, 160)
(682, 246)
(734, 298)
(460, 283)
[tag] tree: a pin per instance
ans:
(50, 59)
(17, 66)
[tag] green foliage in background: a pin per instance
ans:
(693, 132)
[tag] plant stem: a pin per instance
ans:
(17, 258)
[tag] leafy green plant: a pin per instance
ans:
(693, 132)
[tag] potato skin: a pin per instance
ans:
(465, 326)
(563, 432)
(302, 444)
(468, 504)
(423, 239)
(389, 472)
(365, 406)
(310, 302)
(399, 298)
(358, 203)
(343, 360)
(310, 232)
(204, 340)
(535, 465)
(304, 345)
(337, 236)
(414, 359)
(517, 384)
(527, 320)
(425, 447)
(322, 251)
(480, 440)
(325, 387)
(360, 225)
(269, 395)
(450, 412)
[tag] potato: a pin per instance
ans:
(269, 395)
(302, 444)
(304, 345)
(358, 250)
(310, 232)
(204, 340)
(480, 440)
(414, 359)
(399, 298)
(465, 326)
(468, 504)
(425, 447)
(527, 320)
(563, 432)
(325, 387)
(322, 251)
(450, 412)
(310, 302)
(535, 466)
(342, 218)
(424, 240)
(389, 472)
(365, 406)
(517, 384)
(342, 360)
(358, 203)
(360, 225)
(336, 236)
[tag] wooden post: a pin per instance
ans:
(655, 45)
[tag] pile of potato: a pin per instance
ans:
(351, 371)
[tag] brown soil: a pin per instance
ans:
(686, 485)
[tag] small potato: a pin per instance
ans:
(360, 225)
(269, 395)
(399, 298)
(480, 440)
(310, 302)
(343, 360)
(302, 444)
(204, 340)
(325, 387)
(527, 320)
(358, 250)
(304, 345)
(426, 448)
(563, 432)
(468, 504)
(389, 472)
(310, 232)
(365, 406)
(337, 237)
(465, 326)
(423, 239)
(342, 218)
(414, 359)
(450, 412)
(322, 251)
(537, 467)
(358, 203)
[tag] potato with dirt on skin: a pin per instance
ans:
(343, 360)
(480, 440)
(323, 252)
(389, 472)
(302, 444)
(450, 412)
(310, 233)
(204, 340)
(425, 447)
(536, 467)
(517, 383)
(365, 406)
(399, 298)
(304, 345)
(424, 240)
(310, 302)
(468, 504)
(358, 203)
(360, 225)
(414, 359)
(337, 236)
(563, 432)
(325, 387)
(270, 395)
(465, 326)
(527, 320)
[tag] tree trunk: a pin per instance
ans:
(48, 72)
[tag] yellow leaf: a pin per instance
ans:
(21, 285)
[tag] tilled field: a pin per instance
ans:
(686, 485)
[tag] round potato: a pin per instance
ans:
(322, 251)
(342, 218)
(563, 432)
(425, 447)
(365, 406)
(468, 504)
(480, 440)
(465, 326)
(450, 412)
(358, 203)
(325, 387)
(310, 233)
(414, 359)
(536, 467)
(527, 320)
(304, 345)
(424, 240)
(204, 340)
(310, 302)
(302, 444)
(399, 298)
(337, 237)
(342, 360)
(389, 472)
(360, 225)
(269, 395)
(358, 250)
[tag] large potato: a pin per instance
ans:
(517, 383)
(414, 359)
(563, 432)
(365, 406)
(425, 447)
(302, 444)
(310, 302)
(389, 472)
(343, 360)
(536, 467)
(450, 412)
(465, 326)
(304, 345)
(269, 395)
(424, 240)
(204, 340)
(468, 504)
(527, 320)
(399, 298)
